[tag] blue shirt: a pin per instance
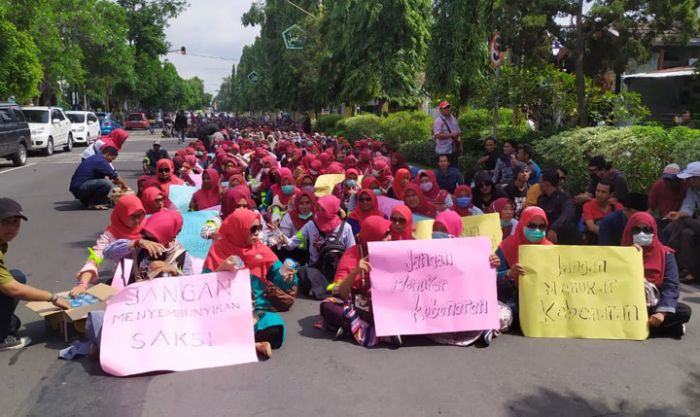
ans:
(93, 168)
(450, 181)
(691, 202)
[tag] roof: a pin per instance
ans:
(664, 73)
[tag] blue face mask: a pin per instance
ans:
(505, 223)
(377, 191)
(287, 189)
(534, 235)
(463, 202)
(440, 235)
(351, 183)
(305, 216)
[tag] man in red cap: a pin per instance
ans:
(13, 283)
(447, 134)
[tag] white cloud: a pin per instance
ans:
(210, 28)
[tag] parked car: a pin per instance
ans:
(85, 126)
(15, 136)
(136, 121)
(107, 124)
(50, 128)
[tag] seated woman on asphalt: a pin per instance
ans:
(165, 173)
(210, 193)
(367, 205)
(293, 221)
(239, 247)
(349, 311)
(126, 222)
(448, 225)
(667, 317)
(531, 230)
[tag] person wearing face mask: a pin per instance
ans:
(463, 202)
(346, 189)
(447, 177)
(240, 247)
(667, 317)
(506, 211)
(428, 184)
(292, 222)
(531, 230)
(282, 195)
(306, 183)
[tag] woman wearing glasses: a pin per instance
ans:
(531, 230)
(667, 317)
(367, 205)
(165, 172)
(240, 247)
(401, 223)
(484, 192)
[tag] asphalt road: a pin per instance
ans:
(312, 374)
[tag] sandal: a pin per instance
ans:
(264, 349)
(98, 207)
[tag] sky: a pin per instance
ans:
(210, 28)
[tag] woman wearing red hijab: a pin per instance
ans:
(126, 221)
(506, 211)
(398, 162)
(531, 230)
(153, 200)
(401, 223)
(667, 317)
(447, 224)
(165, 172)
(427, 182)
(210, 193)
(240, 247)
(398, 184)
(350, 162)
(282, 194)
(294, 220)
(382, 171)
(415, 200)
(350, 310)
(162, 228)
(364, 163)
(367, 205)
(462, 202)
(348, 188)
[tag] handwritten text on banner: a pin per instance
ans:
(587, 292)
(445, 285)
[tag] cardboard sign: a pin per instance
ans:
(181, 195)
(445, 285)
(593, 292)
(178, 324)
(485, 225)
(325, 183)
(46, 308)
(190, 235)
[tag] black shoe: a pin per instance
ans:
(14, 343)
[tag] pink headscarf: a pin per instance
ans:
(328, 220)
(451, 221)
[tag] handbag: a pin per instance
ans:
(280, 299)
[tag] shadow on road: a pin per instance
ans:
(68, 205)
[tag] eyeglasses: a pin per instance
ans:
(164, 170)
(398, 220)
(255, 229)
(642, 229)
(540, 226)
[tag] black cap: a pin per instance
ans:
(10, 208)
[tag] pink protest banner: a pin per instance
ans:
(386, 204)
(434, 286)
(178, 324)
(197, 179)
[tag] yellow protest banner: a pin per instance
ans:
(486, 225)
(591, 292)
(424, 229)
(326, 182)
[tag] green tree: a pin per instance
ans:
(20, 69)
(147, 20)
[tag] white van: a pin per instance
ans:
(85, 126)
(50, 128)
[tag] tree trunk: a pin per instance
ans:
(580, 78)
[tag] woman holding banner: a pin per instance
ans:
(239, 247)
(531, 230)
(349, 310)
(667, 317)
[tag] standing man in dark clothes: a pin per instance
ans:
(306, 125)
(560, 209)
(181, 126)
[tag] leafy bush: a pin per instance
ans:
(640, 152)
(686, 145)
(421, 153)
(407, 127)
(358, 127)
(621, 109)
(327, 123)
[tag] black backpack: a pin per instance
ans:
(330, 253)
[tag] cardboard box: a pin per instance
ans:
(72, 316)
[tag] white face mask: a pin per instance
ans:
(426, 186)
(643, 239)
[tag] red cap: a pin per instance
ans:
(443, 104)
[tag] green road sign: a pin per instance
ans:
(254, 77)
(293, 37)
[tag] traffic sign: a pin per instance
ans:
(495, 52)
(254, 77)
(293, 37)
